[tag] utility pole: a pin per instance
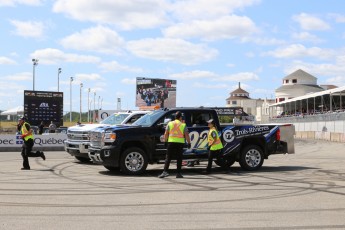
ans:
(70, 95)
(35, 63)
(59, 71)
(81, 86)
(88, 105)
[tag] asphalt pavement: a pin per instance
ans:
(305, 190)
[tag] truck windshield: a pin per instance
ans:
(150, 118)
(115, 119)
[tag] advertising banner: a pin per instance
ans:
(153, 92)
(51, 140)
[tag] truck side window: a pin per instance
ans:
(134, 118)
(200, 118)
(168, 117)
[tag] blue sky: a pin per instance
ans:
(207, 46)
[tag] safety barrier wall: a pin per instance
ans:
(51, 142)
(319, 129)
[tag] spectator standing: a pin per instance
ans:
(40, 128)
(52, 127)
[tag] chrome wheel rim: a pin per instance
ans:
(253, 158)
(134, 161)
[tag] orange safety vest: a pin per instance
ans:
(176, 131)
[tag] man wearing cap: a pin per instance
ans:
(28, 138)
(175, 135)
(214, 144)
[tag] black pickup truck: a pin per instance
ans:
(132, 148)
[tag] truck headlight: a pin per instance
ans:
(109, 137)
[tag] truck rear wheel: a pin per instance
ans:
(251, 158)
(225, 162)
(133, 161)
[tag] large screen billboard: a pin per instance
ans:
(154, 92)
(43, 106)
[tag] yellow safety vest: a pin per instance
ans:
(176, 131)
(217, 144)
(25, 131)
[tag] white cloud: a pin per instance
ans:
(263, 41)
(209, 86)
(338, 80)
(227, 27)
(6, 61)
(87, 77)
(98, 39)
(172, 50)
(28, 28)
(310, 22)
(129, 81)
(339, 18)
(114, 66)
(25, 76)
(201, 9)
(305, 36)
(240, 77)
(298, 51)
(122, 13)
(18, 2)
(331, 71)
(196, 74)
(55, 56)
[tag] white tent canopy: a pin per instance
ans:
(19, 110)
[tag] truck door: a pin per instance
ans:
(158, 135)
(198, 130)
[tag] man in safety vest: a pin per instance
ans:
(215, 145)
(28, 138)
(175, 135)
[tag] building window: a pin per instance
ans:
(294, 80)
(286, 81)
(281, 99)
(234, 102)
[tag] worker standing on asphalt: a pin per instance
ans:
(215, 145)
(28, 138)
(175, 136)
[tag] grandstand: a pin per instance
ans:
(324, 105)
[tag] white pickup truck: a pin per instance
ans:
(78, 136)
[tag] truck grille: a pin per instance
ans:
(77, 136)
(96, 139)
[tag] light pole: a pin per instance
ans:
(59, 71)
(90, 108)
(81, 86)
(35, 63)
(99, 97)
(88, 105)
(101, 103)
(70, 96)
(94, 106)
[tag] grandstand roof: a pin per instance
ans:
(300, 74)
(299, 86)
(336, 91)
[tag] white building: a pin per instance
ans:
(297, 84)
(258, 108)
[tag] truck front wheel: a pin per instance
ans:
(251, 158)
(82, 159)
(133, 161)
